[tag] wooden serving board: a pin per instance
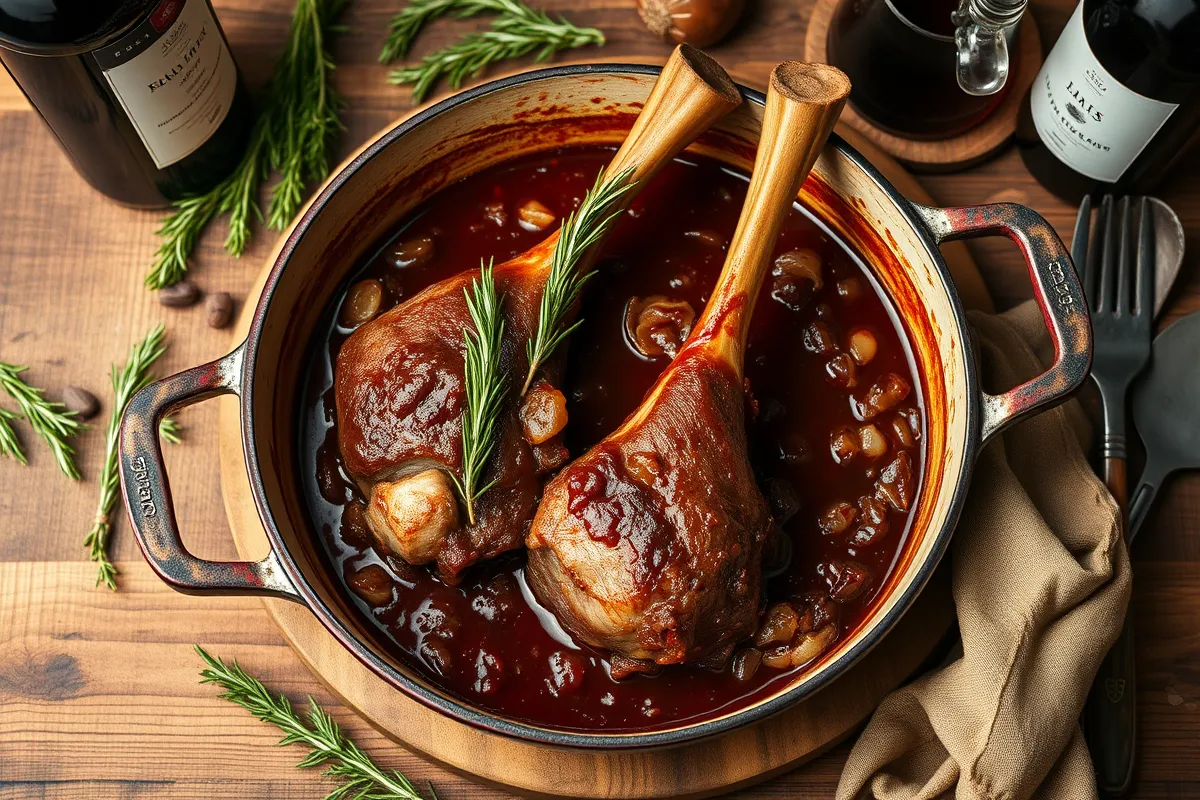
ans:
(712, 766)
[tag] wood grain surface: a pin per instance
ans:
(98, 693)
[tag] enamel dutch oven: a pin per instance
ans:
(548, 109)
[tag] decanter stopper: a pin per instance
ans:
(983, 28)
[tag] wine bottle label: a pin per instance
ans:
(174, 76)
(1085, 116)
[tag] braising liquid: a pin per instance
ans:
(486, 640)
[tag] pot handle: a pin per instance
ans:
(1056, 288)
(148, 494)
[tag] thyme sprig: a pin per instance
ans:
(483, 384)
(328, 746)
(126, 382)
(51, 421)
(292, 135)
(582, 229)
(517, 31)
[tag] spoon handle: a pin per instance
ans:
(1143, 496)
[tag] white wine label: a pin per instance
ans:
(174, 76)
(1087, 118)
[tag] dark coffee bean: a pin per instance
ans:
(220, 309)
(81, 401)
(179, 295)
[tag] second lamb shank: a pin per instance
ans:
(400, 386)
(650, 545)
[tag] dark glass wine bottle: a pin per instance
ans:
(143, 95)
(1117, 100)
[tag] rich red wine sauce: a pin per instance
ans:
(487, 641)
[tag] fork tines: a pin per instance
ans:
(1118, 279)
(1117, 271)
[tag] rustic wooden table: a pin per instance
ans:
(98, 691)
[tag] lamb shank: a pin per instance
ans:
(650, 545)
(399, 379)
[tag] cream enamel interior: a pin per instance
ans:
(392, 176)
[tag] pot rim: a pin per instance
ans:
(445, 703)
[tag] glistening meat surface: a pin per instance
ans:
(400, 399)
(649, 544)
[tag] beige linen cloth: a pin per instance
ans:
(1041, 581)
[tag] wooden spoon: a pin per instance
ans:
(398, 380)
(650, 545)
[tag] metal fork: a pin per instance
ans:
(1120, 292)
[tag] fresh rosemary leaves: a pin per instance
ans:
(10, 445)
(51, 421)
(517, 31)
(325, 740)
(126, 382)
(583, 228)
(292, 136)
(406, 24)
(483, 383)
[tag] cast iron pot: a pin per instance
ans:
(528, 113)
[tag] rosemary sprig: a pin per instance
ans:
(292, 135)
(51, 421)
(170, 431)
(305, 111)
(126, 382)
(321, 734)
(517, 31)
(483, 386)
(582, 229)
(10, 445)
(409, 21)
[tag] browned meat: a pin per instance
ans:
(650, 545)
(399, 392)
(399, 378)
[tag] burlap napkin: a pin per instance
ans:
(1041, 581)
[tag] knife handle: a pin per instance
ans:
(1110, 716)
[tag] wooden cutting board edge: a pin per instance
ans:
(712, 766)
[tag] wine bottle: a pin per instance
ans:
(1117, 99)
(143, 95)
